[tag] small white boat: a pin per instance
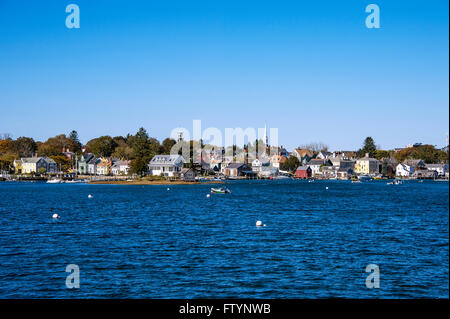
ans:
(281, 177)
(220, 190)
(54, 181)
(395, 182)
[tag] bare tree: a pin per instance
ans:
(5, 136)
(315, 147)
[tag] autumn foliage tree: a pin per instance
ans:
(428, 153)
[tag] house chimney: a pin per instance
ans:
(367, 154)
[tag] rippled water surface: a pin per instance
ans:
(150, 242)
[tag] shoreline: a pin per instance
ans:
(144, 182)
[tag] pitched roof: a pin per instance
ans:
(235, 165)
(415, 162)
(302, 168)
(436, 165)
(303, 152)
(31, 159)
(49, 160)
(165, 159)
(317, 161)
(370, 159)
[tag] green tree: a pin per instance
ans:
(75, 145)
(102, 146)
(428, 153)
(62, 161)
(380, 154)
(138, 166)
(290, 164)
(24, 146)
(54, 145)
(42, 170)
(167, 145)
(368, 147)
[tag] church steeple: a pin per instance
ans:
(266, 139)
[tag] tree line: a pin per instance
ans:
(138, 148)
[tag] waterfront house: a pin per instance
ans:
(120, 168)
(344, 173)
(303, 172)
(340, 161)
(304, 155)
(166, 165)
(51, 165)
(256, 165)
(440, 169)
(92, 165)
(316, 164)
(83, 163)
(30, 165)
(33, 164)
(416, 163)
(268, 171)
(367, 165)
(404, 170)
(329, 172)
(187, 174)
(238, 169)
(103, 167)
(277, 159)
(424, 173)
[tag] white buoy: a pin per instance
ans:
(259, 223)
(168, 188)
(55, 216)
(326, 187)
(90, 196)
(208, 195)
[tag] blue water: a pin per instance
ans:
(148, 242)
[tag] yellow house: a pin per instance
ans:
(366, 165)
(30, 165)
(103, 167)
(17, 166)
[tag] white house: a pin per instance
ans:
(441, 169)
(324, 155)
(92, 165)
(166, 165)
(120, 168)
(315, 165)
(256, 165)
(404, 170)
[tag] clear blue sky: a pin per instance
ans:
(310, 68)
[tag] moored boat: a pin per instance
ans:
(220, 190)
(54, 181)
